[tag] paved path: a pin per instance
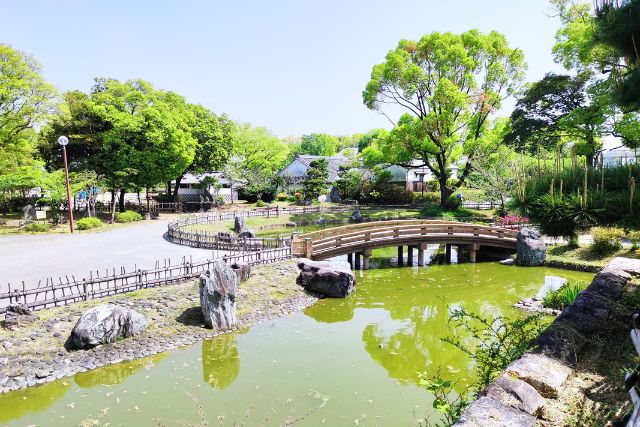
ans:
(34, 257)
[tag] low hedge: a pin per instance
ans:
(37, 227)
(128, 216)
(88, 223)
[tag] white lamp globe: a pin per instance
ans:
(63, 140)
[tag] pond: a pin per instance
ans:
(341, 362)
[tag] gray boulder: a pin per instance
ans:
(517, 393)
(356, 216)
(331, 279)
(542, 372)
(334, 196)
(247, 234)
(18, 315)
(532, 250)
(105, 324)
(238, 224)
(218, 296)
(489, 412)
(243, 271)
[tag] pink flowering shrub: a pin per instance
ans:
(513, 220)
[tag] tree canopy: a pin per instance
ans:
(449, 85)
(318, 144)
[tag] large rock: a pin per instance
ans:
(532, 250)
(105, 324)
(247, 234)
(243, 271)
(545, 374)
(218, 296)
(489, 412)
(517, 393)
(356, 216)
(238, 224)
(18, 315)
(335, 195)
(332, 279)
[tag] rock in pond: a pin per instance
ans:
(335, 195)
(243, 271)
(18, 315)
(218, 296)
(332, 279)
(105, 324)
(532, 250)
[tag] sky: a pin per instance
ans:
(295, 67)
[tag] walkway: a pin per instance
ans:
(35, 257)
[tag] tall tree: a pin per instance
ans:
(215, 141)
(318, 144)
(26, 102)
(559, 108)
(449, 85)
(315, 181)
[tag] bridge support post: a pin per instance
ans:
(308, 247)
(365, 260)
(350, 260)
(400, 256)
(410, 256)
(421, 249)
(473, 252)
(447, 253)
(357, 254)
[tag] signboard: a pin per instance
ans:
(41, 214)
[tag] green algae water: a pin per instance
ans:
(341, 362)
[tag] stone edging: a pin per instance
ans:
(68, 364)
(517, 397)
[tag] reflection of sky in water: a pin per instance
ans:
(551, 283)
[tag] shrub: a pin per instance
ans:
(298, 196)
(513, 220)
(606, 239)
(281, 197)
(88, 223)
(260, 204)
(426, 198)
(37, 227)
(555, 215)
(453, 202)
(128, 216)
(562, 297)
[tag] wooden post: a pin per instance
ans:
(350, 260)
(410, 256)
(358, 255)
(308, 247)
(473, 252)
(447, 253)
(421, 249)
(400, 256)
(367, 256)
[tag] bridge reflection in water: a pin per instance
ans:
(358, 241)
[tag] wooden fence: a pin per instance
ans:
(66, 291)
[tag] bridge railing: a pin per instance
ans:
(361, 235)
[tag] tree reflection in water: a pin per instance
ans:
(19, 403)
(220, 360)
(118, 373)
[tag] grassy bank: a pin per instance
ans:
(584, 257)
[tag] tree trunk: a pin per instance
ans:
(176, 189)
(445, 192)
(113, 206)
(121, 200)
(169, 188)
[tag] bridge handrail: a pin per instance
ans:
(321, 241)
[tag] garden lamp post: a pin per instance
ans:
(63, 140)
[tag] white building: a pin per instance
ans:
(192, 190)
(620, 156)
(296, 171)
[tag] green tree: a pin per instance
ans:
(215, 141)
(260, 149)
(318, 144)
(561, 108)
(26, 102)
(130, 133)
(365, 140)
(449, 85)
(315, 181)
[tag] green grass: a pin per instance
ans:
(564, 296)
(585, 256)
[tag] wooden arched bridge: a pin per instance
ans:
(359, 240)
